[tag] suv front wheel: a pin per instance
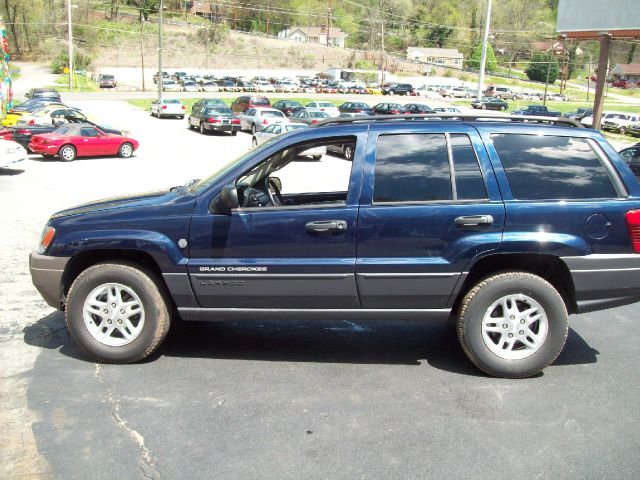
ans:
(513, 324)
(117, 313)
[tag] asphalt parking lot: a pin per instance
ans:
(284, 400)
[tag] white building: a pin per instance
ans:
(446, 57)
(314, 35)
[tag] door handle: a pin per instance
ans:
(472, 221)
(326, 227)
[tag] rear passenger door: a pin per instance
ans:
(429, 205)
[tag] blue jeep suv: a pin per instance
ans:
(505, 226)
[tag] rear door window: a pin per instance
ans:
(552, 167)
(412, 168)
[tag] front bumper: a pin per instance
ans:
(46, 275)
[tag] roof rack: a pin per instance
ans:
(465, 117)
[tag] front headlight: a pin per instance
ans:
(46, 238)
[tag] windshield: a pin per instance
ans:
(225, 168)
(218, 111)
(63, 130)
(260, 101)
(290, 128)
(171, 100)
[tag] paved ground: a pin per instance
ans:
(284, 400)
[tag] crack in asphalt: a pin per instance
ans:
(147, 460)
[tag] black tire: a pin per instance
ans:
(189, 124)
(622, 130)
(483, 106)
(67, 153)
(152, 296)
(503, 108)
(254, 142)
(234, 133)
(202, 130)
(125, 150)
(348, 152)
(480, 298)
(253, 128)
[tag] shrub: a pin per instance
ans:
(81, 61)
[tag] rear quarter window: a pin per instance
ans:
(552, 167)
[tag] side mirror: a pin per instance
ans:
(226, 200)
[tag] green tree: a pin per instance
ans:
(540, 64)
(491, 65)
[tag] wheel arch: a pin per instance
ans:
(547, 266)
(87, 258)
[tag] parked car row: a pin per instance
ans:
(44, 124)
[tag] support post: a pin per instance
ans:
(142, 49)
(603, 59)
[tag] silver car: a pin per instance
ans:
(279, 128)
(273, 130)
(170, 86)
(310, 116)
(255, 119)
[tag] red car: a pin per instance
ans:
(81, 140)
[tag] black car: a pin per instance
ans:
(490, 103)
(44, 93)
(356, 107)
(107, 81)
(215, 118)
(631, 155)
(398, 89)
(388, 109)
(418, 108)
(22, 134)
(288, 107)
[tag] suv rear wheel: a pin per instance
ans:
(117, 313)
(512, 325)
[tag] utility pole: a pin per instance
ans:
(382, 54)
(142, 49)
(328, 24)
(160, 77)
(70, 45)
(546, 83)
(268, 7)
(605, 43)
(206, 53)
(483, 58)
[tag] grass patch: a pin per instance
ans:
(563, 107)
(81, 84)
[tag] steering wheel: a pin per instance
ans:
(274, 194)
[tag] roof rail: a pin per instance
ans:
(465, 117)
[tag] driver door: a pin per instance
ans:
(299, 255)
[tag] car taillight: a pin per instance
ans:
(32, 122)
(183, 107)
(235, 121)
(24, 131)
(265, 122)
(213, 120)
(314, 121)
(633, 225)
(395, 112)
(164, 107)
